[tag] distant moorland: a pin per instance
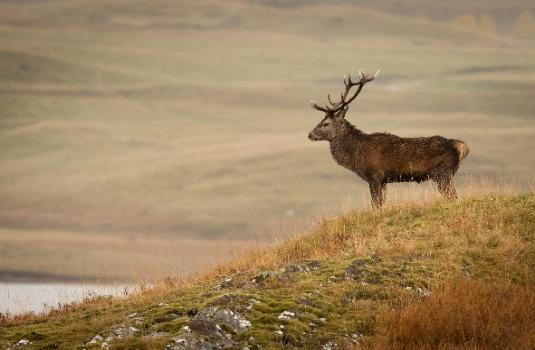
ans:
(143, 138)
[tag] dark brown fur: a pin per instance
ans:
(381, 158)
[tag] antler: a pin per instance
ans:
(348, 83)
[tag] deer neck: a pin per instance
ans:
(345, 146)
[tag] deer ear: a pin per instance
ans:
(342, 113)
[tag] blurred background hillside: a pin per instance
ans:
(143, 138)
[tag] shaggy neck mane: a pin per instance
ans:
(353, 130)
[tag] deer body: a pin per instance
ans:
(382, 158)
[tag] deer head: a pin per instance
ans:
(333, 122)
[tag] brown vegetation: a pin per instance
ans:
(462, 314)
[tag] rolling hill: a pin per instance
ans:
(435, 276)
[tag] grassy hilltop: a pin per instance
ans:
(126, 126)
(457, 275)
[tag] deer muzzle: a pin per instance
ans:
(312, 137)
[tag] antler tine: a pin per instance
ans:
(348, 83)
(363, 80)
(330, 101)
(325, 109)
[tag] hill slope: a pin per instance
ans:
(454, 274)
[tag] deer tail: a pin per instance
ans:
(462, 149)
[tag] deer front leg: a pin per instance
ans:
(378, 193)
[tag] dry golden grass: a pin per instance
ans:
(395, 232)
(461, 314)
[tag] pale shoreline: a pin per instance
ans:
(20, 297)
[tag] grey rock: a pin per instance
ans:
(214, 326)
(328, 346)
(286, 315)
(120, 333)
(97, 338)
(356, 268)
(252, 303)
(423, 292)
(263, 276)
(195, 342)
(208, 318)
(303, 267)
(356, 337)
(238, 303)
(227, 282)
(23, 342)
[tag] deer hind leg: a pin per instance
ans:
(444, 181)
(383, 194)
(378, 193)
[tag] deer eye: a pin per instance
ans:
(326, 125)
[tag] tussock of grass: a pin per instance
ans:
(462, 314)
(372, 274)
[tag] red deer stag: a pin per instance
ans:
(382, 158)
